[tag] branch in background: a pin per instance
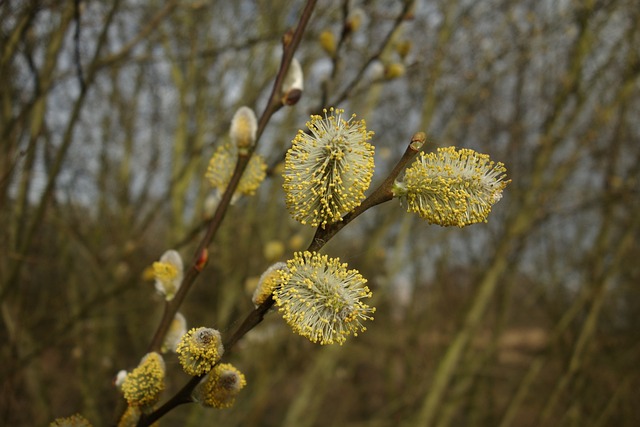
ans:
(290, 44)
(76, 40)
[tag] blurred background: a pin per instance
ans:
(110, 112)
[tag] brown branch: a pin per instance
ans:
(273, 105)
(76, 45)
(408, 4)
(290, 44)
(382, 194)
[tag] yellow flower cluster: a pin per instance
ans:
(327, 171)
(199, 350)
(222, 165)
(220, 388)
(168, 273)
(452, 187)
(320, 298)
(267, 283)
(164, 271)
(75, 420)
(143, 385)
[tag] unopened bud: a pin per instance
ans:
(176, 330)
(269, 280)
(244, 126)
(354, 20)
(403, 48)
(119, 379)
(273, 250)
(328, 42)
(202, 260)
(287, 37)
(75, 420)
(168, 273)
(293, 84)
(393, 71)
(417, 141)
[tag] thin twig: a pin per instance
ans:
(290, 44)
(273, 105)
(76, 41)
(382, 194)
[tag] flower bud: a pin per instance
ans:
(76, 420)
(211, 204)
(119, 379)
(417, 141)
(176, 330)
(269, 280)
(394, 70)
(222, 165)
(296, 242)
(199, 350)
(354, 20)
(168, 273)
(244, 126)
(328, 42)
(202, 260)
(142, 387)
(220, 388)
(293, 84)
(403, 48)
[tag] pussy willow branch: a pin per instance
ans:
(382, 194)
(290, 44)
(184, 394)
(348, 89)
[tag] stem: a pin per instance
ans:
(171, 308)
(290, 44)
(184, 395)
(382, 194)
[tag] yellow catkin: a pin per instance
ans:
(199, 349)
(222, 165)
(269, 280)
(452, 187)
(320, 298)
(328, 169)
(220, 388)
(75, 420)
(168, 273)
(142, 387)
